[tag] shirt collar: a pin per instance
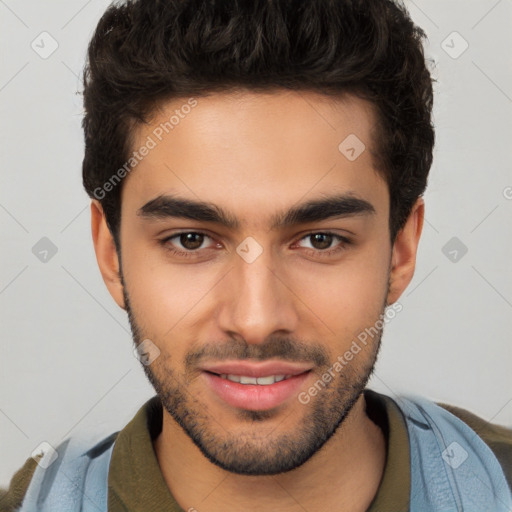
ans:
(136, 482)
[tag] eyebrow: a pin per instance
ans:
(337, 206)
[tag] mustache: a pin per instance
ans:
(273, 348)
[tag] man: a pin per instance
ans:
(256, 171)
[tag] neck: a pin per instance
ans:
(344, 475)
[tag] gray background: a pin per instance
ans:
(66, 350)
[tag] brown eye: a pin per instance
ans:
(325, 244)
(186, 244)
(191, 241)
(321, 241)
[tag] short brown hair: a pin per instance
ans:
(144, 52)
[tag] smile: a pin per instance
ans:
(255, 393)
(262, 381)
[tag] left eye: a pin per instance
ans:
(323, 240)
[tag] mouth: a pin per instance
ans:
(247, 379)
(257, 369)
(255, 387)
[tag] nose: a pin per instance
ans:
(257, 300)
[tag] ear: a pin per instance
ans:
(403, 258)
(106, 254)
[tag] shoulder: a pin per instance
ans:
(497, 437)
(11, 498)
(74, 454)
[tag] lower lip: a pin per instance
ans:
(255, 397)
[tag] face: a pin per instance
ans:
(281, 267)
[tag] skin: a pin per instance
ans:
(256, 155)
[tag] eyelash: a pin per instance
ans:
(323, 253)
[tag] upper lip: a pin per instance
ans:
(263, 369)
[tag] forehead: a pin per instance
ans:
(251, 151)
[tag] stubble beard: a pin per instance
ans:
(243, 451)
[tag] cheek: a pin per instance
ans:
(350, 296)
(163, 297)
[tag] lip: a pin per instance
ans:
(256, 397)
(263, 369)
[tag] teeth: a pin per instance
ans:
(262, 381)
(248, 380)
